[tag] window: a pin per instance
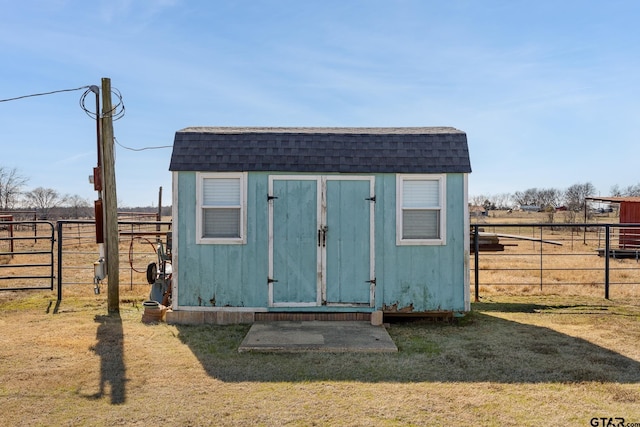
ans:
(420, 210)
(221, 212)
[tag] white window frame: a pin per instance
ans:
(200, 177)
(442, 187)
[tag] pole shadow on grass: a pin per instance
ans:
(485, 349)
(110, 348)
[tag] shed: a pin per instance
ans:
(318, 222)
(629, 212)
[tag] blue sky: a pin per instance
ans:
(547, 91)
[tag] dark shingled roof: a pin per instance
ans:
(346, 150)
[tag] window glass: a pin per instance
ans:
(420, 209)
(222, 222)
(421, 193)
(221, 192)
(221, 208)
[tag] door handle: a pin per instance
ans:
(324, 235)
(319, 236)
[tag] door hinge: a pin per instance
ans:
(270, 280)
(270, 198)
(372, 281)
(371, 199)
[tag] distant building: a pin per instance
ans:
(476, 211)
(629, 214)
(529, 208)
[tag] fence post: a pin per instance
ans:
(51, 257)
(476, 258)
(607, 247)
(59, 227)
(11, 235)
(541, 271)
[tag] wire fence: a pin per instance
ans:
(41, 254)
(522, 258)
(78, 251)
(602, 259)
(26, 255)
(6, 234)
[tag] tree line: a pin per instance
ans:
(572, 198)
(47, 202)
(41, 199)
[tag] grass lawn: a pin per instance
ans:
(535, 360)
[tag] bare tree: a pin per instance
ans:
(616, 191)
(79, 206)
(477, 200)
(549, 198)
(44, 199)
(11, 183)
(576, 194)
(543, 198)
(631, 191)
(503, 200)
(528, 197)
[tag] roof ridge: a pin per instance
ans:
(332, 130)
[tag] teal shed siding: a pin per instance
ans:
(217, 275)
(419, 278)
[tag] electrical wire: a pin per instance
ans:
(93, 115)
(153, 245)
(143, 148)
(116, 112)
(42, 94)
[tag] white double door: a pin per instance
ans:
(321, 240)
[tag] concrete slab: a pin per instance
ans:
(318, 336)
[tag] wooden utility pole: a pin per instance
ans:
(109, 200)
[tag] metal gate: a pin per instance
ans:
(26, 255)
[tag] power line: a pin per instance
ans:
(42, 94)
(141, 149)
(117, 111)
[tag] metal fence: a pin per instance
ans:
(26, 255)
(541, 256)
(77, 251)
(521, 257)
(40, 254)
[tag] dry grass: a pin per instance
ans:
(572, 268)
(562, 355)
(513, 361)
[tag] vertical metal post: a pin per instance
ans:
(584, 233)
(11, 234)
(159, 216)
(132, 255)
(607, 248)
(476, 259)
(541, 259)
(51, 258)
(35, 226)
(59, 226)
